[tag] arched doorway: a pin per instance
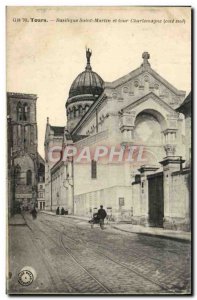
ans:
(149, 126)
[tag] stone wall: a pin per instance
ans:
(180, 201)
(116, 201)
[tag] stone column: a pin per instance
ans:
(170, 164)
(170, 141)
(145, 170)
(126, 126)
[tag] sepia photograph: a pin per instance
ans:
(99, 150)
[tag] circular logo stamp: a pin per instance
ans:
(25, 277)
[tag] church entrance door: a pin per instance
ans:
(156, 201)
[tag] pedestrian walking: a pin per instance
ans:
(101, 215)
(62, 211)
(34, 213)
(58, 211)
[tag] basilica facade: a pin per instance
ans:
(125, 149)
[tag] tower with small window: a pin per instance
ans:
(23, 155)
(22, 114)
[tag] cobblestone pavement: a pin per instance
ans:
(70, 257)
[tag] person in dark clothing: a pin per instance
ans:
(34, 213)
(94, 220)
(62, 211)
(58, 211)
(102, 215)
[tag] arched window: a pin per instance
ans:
(17, 174)
(80, 110)
(19, 112)
(32, 134)
(27, 135)
(29, 177)
(18, 134)
(25, 112)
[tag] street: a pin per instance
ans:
(71, 258)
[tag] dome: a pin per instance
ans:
(87, 82)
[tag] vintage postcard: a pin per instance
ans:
(99, 150)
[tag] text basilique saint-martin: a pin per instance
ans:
(98, 20)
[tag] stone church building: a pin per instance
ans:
(25, 166)
(131, 150)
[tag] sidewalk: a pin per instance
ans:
(65, 216)
(157, 232)
(138, 229)
(17, 220)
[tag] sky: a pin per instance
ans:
(44, 58)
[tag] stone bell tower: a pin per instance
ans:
(22, 148)
(22, 114)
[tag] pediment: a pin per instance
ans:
(151, 101)
(142, 81)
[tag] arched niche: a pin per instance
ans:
(149, 125)
(86, 107)
(80, 109)
(74, 111)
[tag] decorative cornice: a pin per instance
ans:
(23, 123)
(148, 168)
(22, 96)
(124, 79)
(166, 83)
(172, 160)
(79, 98)
(145, 98)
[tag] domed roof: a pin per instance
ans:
(87, 82)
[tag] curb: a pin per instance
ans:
(175, 238)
